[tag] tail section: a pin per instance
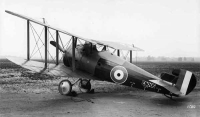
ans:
(184, 81)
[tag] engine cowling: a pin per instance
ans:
(67, 60)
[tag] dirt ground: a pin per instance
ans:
(23, 93)
(127, 104)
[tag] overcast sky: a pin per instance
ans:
(160, 27)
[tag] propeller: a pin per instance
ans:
(59, 47)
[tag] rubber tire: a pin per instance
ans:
(60, 89)
(88, 88)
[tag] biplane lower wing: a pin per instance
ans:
(55, 70)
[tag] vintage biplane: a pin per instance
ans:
(86, 62)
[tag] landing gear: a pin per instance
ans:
(65, 87)
(169, 96)
(85, 86)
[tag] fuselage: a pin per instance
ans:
(105, 66)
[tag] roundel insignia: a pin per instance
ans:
(119, 74)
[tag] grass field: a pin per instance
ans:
(14, 78)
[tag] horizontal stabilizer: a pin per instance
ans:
(167, 85)
(169, 78)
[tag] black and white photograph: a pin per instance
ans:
(99, 58)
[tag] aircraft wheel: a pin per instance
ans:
(65, 87)
(84, 86)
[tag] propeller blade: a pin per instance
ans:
(59, 47)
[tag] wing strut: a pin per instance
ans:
(28, 40)
(45, 66)
(118, 52)
(74, 40)
(57, 44)
(130, 56)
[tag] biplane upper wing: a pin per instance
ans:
(55, 70)
(114, 45)
(49, 26)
